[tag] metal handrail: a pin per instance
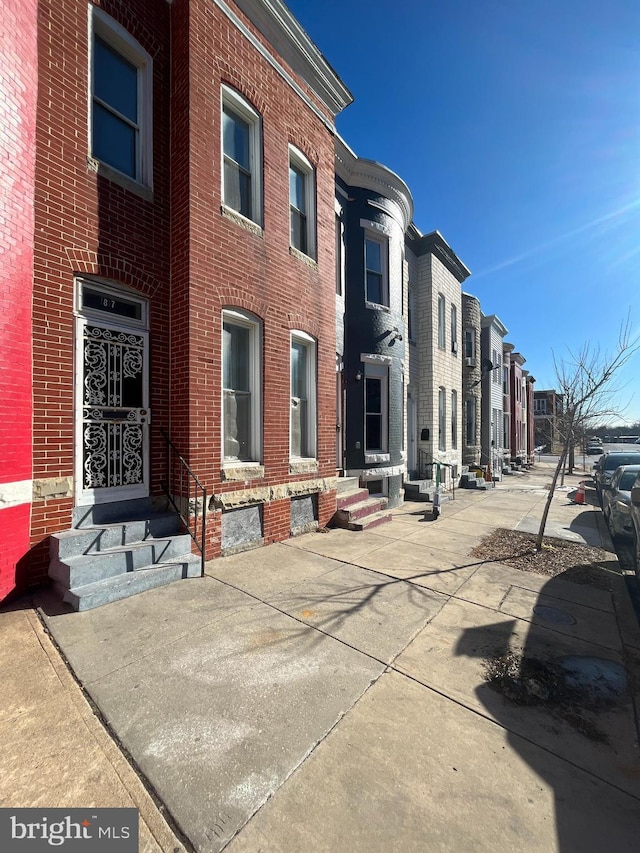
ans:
(178, 476)
(424, 463)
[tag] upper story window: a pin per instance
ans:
(505, 380)
(454, 329)
(376, 269)
(441, 321)
(241, 374)
(540, 406)
(302, 201)
(121, 100)
(242, 156)
(303, 396)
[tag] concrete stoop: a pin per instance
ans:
(117, 550)
(470, 480)
(356, 509)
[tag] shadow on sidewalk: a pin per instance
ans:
(562, 712)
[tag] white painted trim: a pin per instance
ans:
(87, 497)
(298, 336)
(374, 358)
(300, 163)
(236, 103)
(16, 493)
(261, 49)
(236, 317)
(123, 43)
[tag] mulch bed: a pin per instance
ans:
(575, 562)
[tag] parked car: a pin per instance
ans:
(616, 501)
(594, 448)
(607, 464)
(634, 512)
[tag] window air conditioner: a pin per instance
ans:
(470, 362)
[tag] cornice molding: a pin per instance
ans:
(435, 244)
(371, 175)
(282, 30)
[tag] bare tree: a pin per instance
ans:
(586, 383)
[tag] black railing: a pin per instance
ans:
(186, 494)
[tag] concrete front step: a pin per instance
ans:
(347, 484)
(90, 568)
(89, 540)
(348, 498)
(89, 596)
(359, 510)
(368, 521)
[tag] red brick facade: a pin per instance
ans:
(18, 121)
(176, 248)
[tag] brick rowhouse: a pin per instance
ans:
(174, 244)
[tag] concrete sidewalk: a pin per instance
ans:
(329, 693)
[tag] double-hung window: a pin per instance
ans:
(454, 420)
(121, 101)
(303, 396)
(469, 343)
(302, 203)
(376, 266)
(454, 329)
(241, 387)
(241, 156)
(441, 321)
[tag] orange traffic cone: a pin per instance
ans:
(579, 498)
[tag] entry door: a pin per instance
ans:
(112, 398)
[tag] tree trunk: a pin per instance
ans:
(552, 488)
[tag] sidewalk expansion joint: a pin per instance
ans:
(515, 733)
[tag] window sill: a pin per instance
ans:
(301, 256)
(377, 457)
(303, 466)
(116, 177)
(249, 471)
(242, 221)
(376, 306)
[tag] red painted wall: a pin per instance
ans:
(18, 88)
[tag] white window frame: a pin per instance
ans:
(383, 241)
(442, 332)
(469, 343)
(311, 345)
(300, 163)
(235, 103)
(237, 317)
(381, 372)
(442, 418)
(122, 42)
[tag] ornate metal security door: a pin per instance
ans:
(114, 412)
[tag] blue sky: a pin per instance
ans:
(516, 126)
